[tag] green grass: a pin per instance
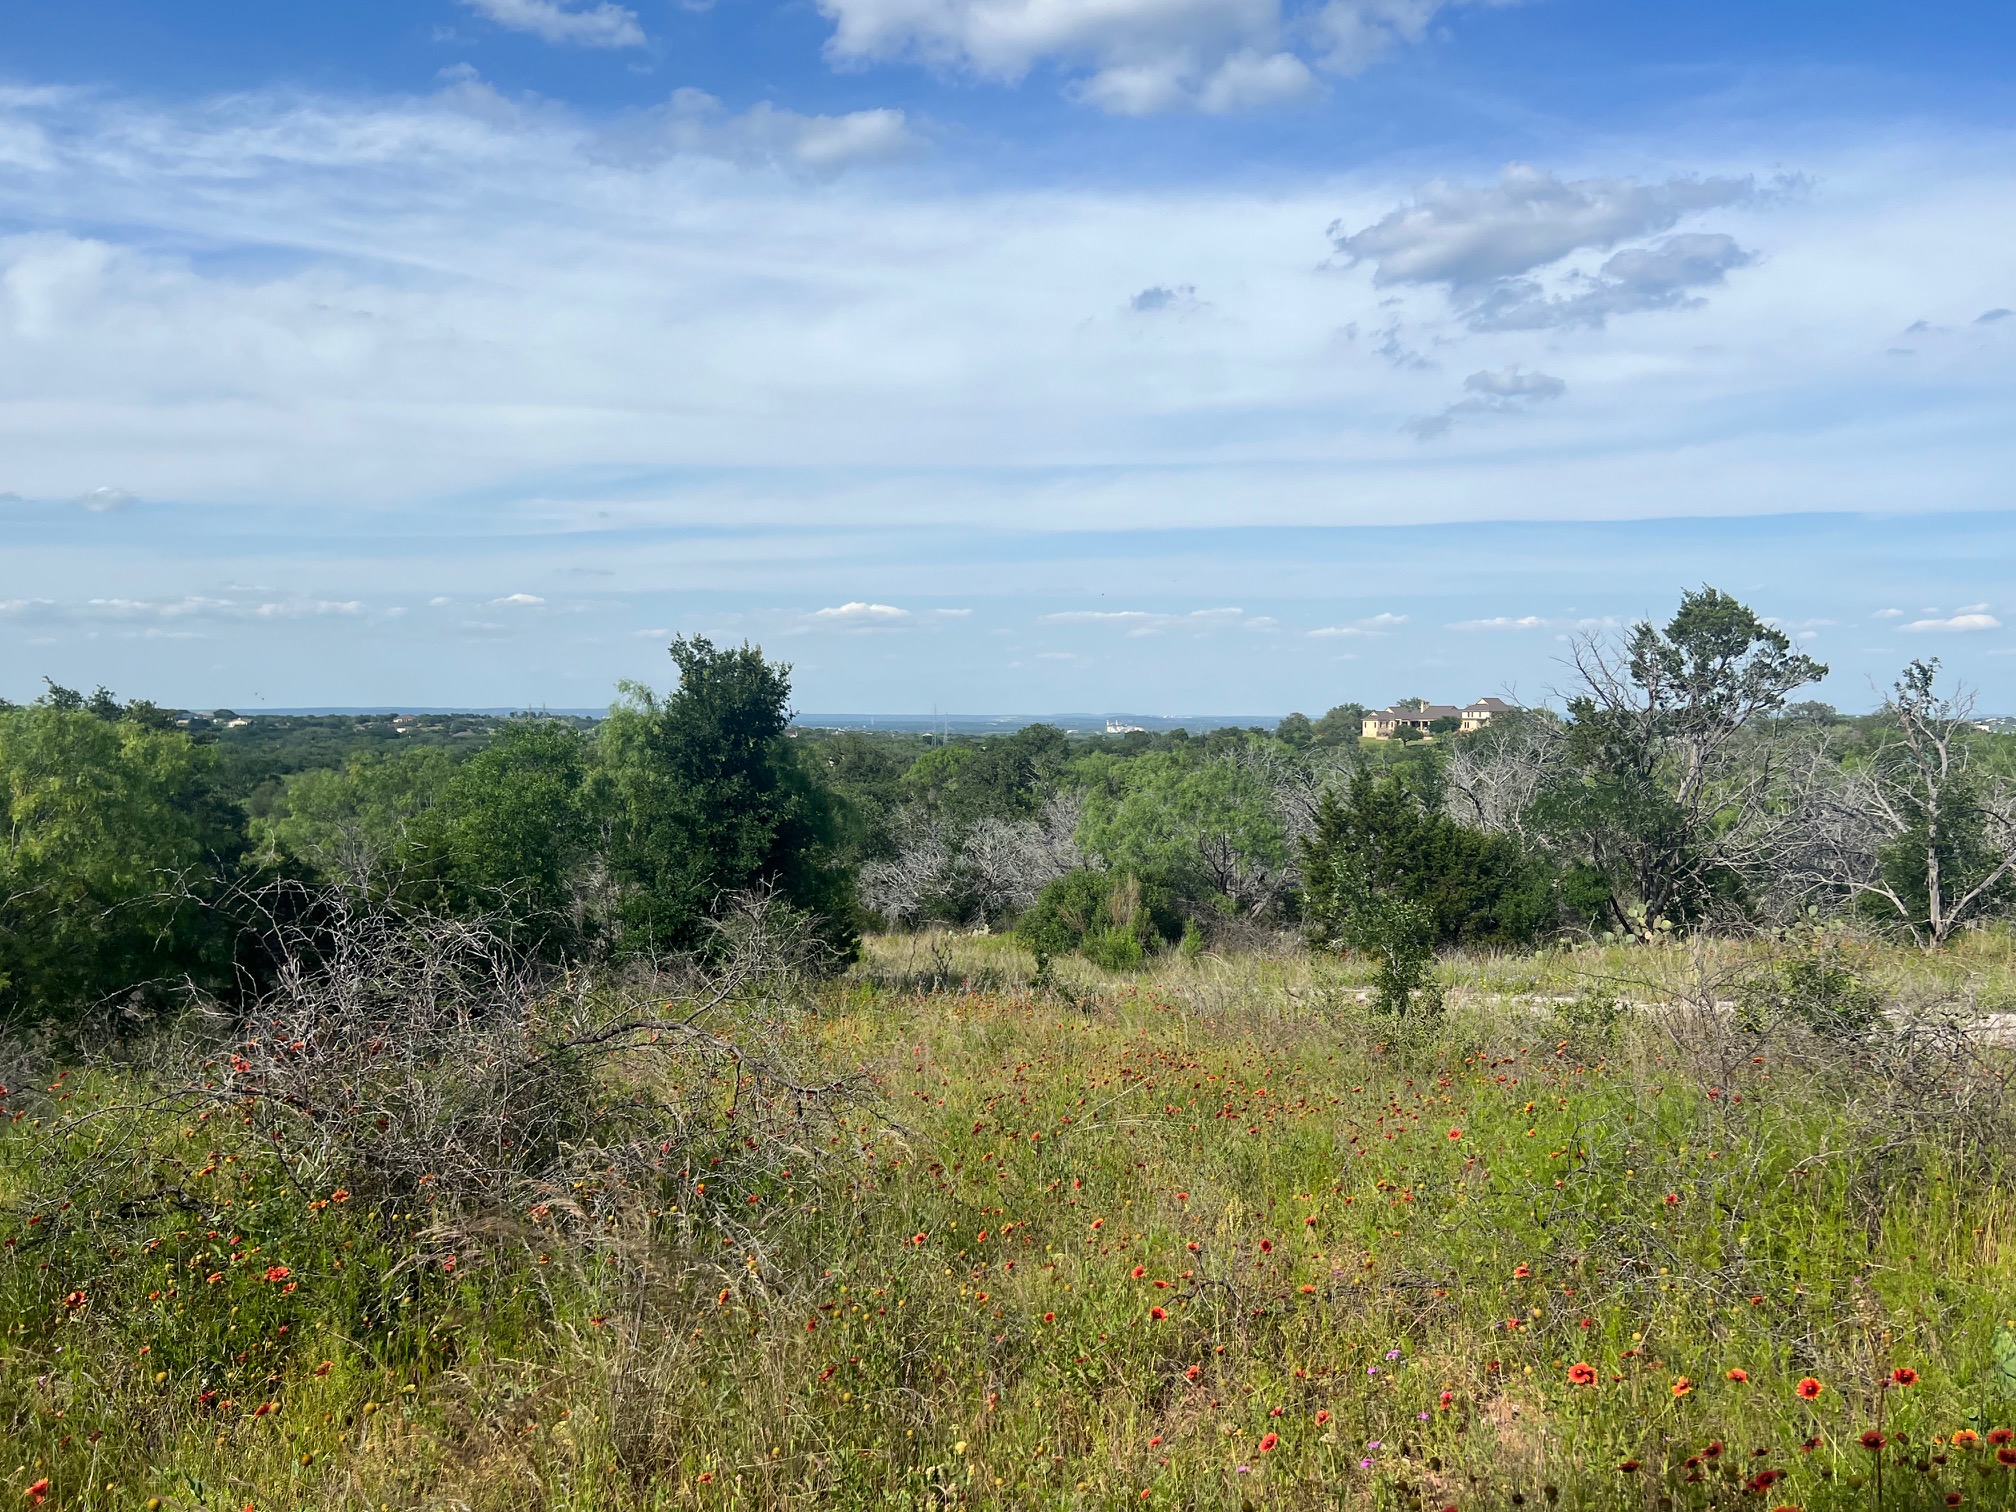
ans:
(939, 1304)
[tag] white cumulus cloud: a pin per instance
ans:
(862, 613)
(1956, 622)
(1135, 57)
(1484, 243)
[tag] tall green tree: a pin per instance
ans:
(1659, 783)
(701, 795)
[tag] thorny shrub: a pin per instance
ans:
(405, 1059)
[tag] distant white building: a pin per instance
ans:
(1114, 727)
(1384, 724)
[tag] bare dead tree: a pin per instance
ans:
(1913, 827)
(996, 867)
(903, 887)
(1005, 864)
(1493, 777)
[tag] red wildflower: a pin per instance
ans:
(1455, 1133)
(1266, 1246)
(1268, 1441)
(1628, 1466)
(1965, 1438)
(1672, 1199)
(1739, 1376)
(1521, 1272)
(1582, 1373)
(1872, 1440)
(1808, 1388)
(1954, 1498)
(325, 1367)
(1682, 1386)
(1138, 1272)
(1714, 1449)
(75, 1300)
(2000, 1435)
(1158, 1313)
(277, 1273)
(1322, 1416)
(1049, 1317)
(1182, 1196)
(1448, 1400)
(2005, 1456)
(1195, 1372)
(1904, 1375)
(38, 1491)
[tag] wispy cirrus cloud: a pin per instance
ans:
(1382, 624)
(601, 25)
(1143, 622)
(1506, 391)
(694, 121)
(1520, 622)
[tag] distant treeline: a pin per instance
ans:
(1684, 786)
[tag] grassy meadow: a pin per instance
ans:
(1215, 1236)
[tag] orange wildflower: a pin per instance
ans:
(1808, 1388)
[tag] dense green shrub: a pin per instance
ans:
(1112, 918)
(115, 843)
(1386, 837)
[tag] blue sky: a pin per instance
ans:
(997, 355)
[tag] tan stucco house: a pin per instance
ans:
(1384, 724)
